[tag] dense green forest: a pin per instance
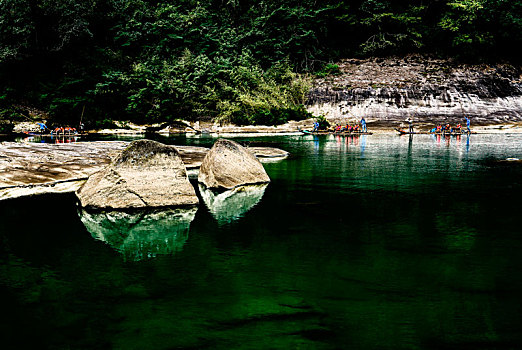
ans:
(245, 61)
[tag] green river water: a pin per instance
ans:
(372, 242)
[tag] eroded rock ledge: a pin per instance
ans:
(35, 168)
(385, 90)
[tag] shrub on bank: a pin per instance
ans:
(323, 122)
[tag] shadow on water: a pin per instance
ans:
(49, 276)
(231, 205)
(141, 234)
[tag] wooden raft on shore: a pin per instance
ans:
(404, 132)
(326, 132)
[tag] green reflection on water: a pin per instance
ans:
(391, 244)
(141, 234)
(231, 205)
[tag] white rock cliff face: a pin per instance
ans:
(384, 107)
(146, 174)
(428, 90)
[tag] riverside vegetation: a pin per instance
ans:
(246, 62)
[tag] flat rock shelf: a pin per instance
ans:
(37, 168)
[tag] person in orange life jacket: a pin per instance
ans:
(458, 128)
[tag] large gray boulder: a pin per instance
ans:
(145, 174)
(228, 165)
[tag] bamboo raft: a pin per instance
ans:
(404, 132)
(344, 133)
(51, 135)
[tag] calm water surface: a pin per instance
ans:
(376, 242)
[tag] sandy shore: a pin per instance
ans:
(292, 128)
(377, 126)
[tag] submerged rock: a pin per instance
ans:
(145, 174)
(268, 154)
(230, 205)
(141, 234)
(228, 165)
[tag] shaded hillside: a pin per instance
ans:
(246, 62)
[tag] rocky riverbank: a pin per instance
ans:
(36, 168)
(386, 91)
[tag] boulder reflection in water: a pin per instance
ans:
(230, 205)
(141, 234)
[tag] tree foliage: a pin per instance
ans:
(245, 61)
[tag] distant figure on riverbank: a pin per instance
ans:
(468, 124)
(42, 127)
(363, 125)
(410, 124)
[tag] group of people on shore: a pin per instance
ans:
(360, 127)
(447, 128)
(444, 128)
(67, 130)
(346, 128)
(64, 131)
(356, 127)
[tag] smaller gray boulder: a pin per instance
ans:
(228, 165)
(145, 174)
